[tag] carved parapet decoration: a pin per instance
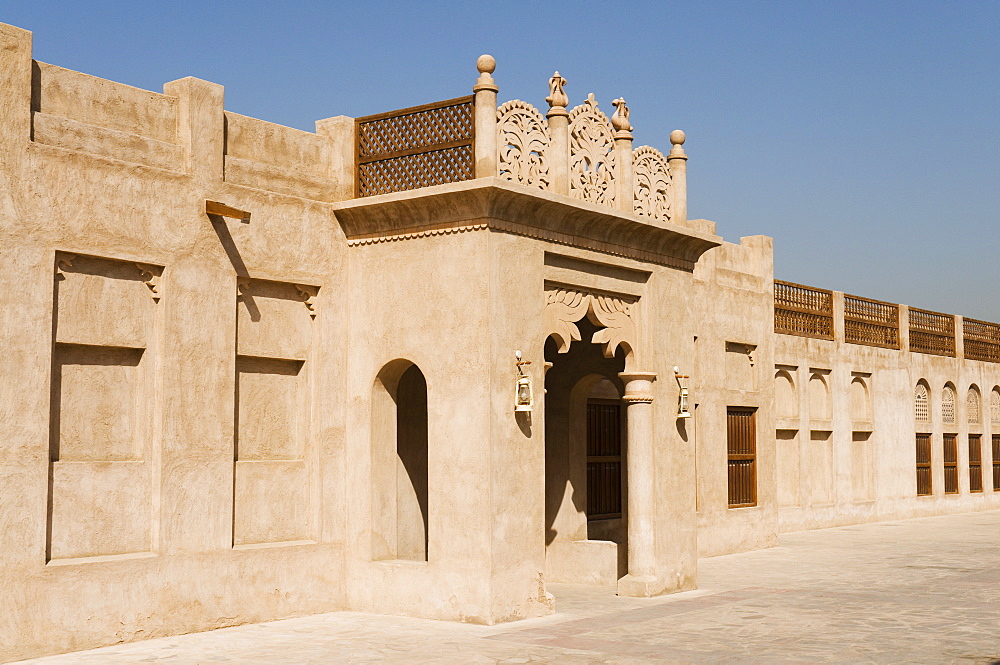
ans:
(557, 99)
(522, 143)
(564, 307)
(592, 155)
(651, 177)
(584, 154)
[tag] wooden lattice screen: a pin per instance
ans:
(981, 340)
(871, 322)
(950, 442)
(604, 459)
(415, 147)
(803, 310)
(975, 463)
(932, 332)
(923, 464)
(996, 462)
(741, 425)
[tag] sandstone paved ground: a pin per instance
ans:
(916, 591)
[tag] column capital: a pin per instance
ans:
(638, 386)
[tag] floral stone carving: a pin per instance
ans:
(564, 307)
(652, 184)
(522, 141)
(592, 155)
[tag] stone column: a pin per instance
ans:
(485, 119)
(624, 195)
(641, 578)
(677, 160)
(558, 118)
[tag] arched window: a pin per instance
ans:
(948, 404)
(819, 397)
(785, 397)
(972, 408)
(921, 404)
(399, 463)
(861, 408)
(995, 406)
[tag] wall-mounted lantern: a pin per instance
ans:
(523, 396)
(682, 399)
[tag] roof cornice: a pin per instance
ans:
(500, 205)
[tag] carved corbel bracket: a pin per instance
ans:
(150, 275)
(63, 263)
(308, 295)
(242, 284)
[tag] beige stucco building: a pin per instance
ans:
(419, 363)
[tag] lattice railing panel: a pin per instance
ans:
(871, 322)
(932, 332)
(414, 171)
(803, 310)
(415, 147)
(982, 340)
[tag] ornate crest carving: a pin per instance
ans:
(557, 98)
(564, 307)
(592, 155)
(522, 141)
(619, 120)
(652, 184)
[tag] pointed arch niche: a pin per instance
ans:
(399, 463)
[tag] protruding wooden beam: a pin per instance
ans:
(221, 209)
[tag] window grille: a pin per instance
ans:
(931, 332)
(975, 463)
(996, 462)
(981, 340)
(415, 147)
(604, 459)
(741, 429)
(923, 464)
(948, 405)
(921, 404)
(803, 310)
(871, 322)
(995, 406)
(950, 463)
(972, 407)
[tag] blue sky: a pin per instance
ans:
(863, 136)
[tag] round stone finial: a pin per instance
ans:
(486, 64)
(677, 137)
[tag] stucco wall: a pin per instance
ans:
(134, 363)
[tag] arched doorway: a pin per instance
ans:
(585, 479)
(399, 463)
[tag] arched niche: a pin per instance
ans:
(786, 398)
(399, 464)
(922, 402)
(861, 404)
(973, 406)
(995, 405)
(819, 396)
(948, 411)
